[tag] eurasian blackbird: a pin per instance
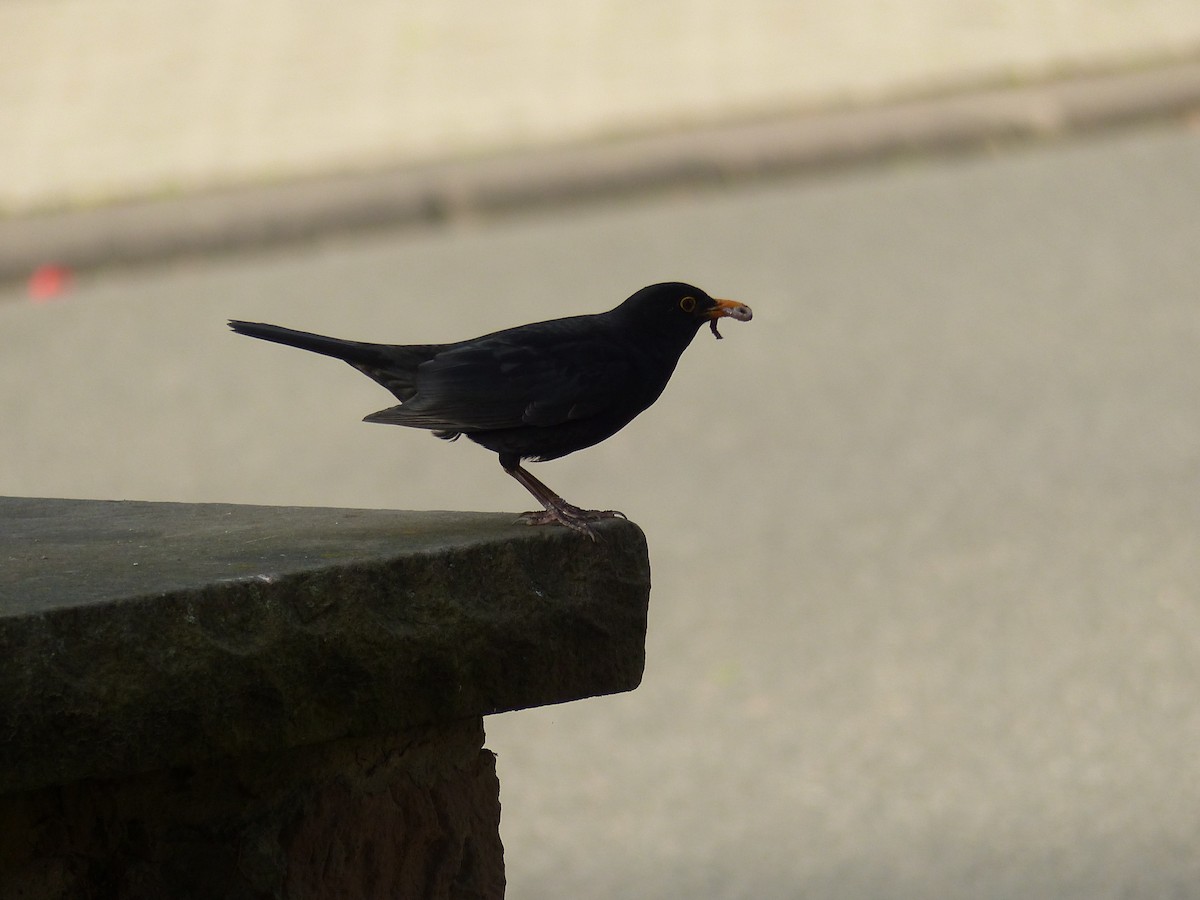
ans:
(537, 391)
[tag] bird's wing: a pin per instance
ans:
(516, 378)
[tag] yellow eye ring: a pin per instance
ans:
(687, 304)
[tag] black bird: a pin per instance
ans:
(536, 391)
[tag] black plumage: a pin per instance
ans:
(534, 392)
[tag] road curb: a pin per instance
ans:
(253, 217)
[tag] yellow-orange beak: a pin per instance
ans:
(731, 309)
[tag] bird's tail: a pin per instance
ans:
(353, 352)
(392, 365)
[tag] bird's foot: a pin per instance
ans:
(564, 513)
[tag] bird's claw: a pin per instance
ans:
(572, 517)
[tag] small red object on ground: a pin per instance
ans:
(48, 282)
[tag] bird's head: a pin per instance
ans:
(683, 307)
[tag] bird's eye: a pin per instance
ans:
(687, 304)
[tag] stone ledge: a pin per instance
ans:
(137, 636)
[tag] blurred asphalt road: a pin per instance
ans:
(926, 609)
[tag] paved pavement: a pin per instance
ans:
(125, 98)
(924, 533)
(456, 191)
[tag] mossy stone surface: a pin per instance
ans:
(135, 635)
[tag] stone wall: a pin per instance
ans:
(409, 815)
(212, 701)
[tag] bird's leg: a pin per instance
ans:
(556, 510)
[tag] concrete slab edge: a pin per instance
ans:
(263, 216)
